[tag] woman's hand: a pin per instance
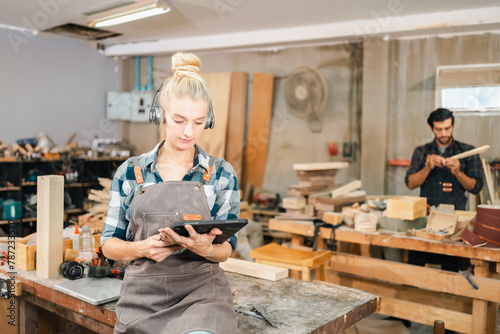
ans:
(158, 248)
(201, 244)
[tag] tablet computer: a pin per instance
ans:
(228, 227)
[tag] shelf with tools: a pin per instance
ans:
(18, 186)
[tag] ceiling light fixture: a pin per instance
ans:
(128, 13)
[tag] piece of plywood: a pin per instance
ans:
(236, 122)
(49, 225)
(259, 126)
(253, 269)
(213, 141)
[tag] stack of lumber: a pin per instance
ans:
(317, 193)
(97, 213)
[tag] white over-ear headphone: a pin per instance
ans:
(156, 112)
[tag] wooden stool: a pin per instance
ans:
(293, 259)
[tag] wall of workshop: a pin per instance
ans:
(54, 85)
(412, 84)
(291, 141)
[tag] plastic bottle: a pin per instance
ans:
(86, 244)
(76, 238)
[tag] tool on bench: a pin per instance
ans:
(468, 274)
(258, 312)
(103, 271)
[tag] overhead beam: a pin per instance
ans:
(387, 21)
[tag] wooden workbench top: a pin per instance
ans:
(300, 306)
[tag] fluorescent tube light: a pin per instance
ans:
(136, 11)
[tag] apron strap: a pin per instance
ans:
(138, 173)
(208, 173)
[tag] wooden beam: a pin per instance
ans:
(49, 225)
(78, 318)
(213, 141)
(426, 314)
(259, 127)
(403, 292)
(236, 122)
(253, 269)
(420, 277)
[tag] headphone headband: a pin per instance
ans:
(156, 112)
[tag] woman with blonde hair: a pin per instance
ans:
(173, 284)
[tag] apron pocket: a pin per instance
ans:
(156, 220)
(141, 296)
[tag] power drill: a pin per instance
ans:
(106, 271)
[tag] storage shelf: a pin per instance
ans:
(88, 171)
(10, 188)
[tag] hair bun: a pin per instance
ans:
(185, 64)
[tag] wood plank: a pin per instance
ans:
(213, 141)
(236, 122)
(253, 269)
(254, 165)
(426, 314)
(420, 277)
(49, 225)
(76, 317)
(403, 292)
(295, 202)
(310, 166)
(469, 153)
(347, 188)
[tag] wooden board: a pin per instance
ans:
(294, 202)
(213, 141)
(419, 277)
(406, 207)
(254, 165)
(236, 122)
(49, 225)
(320, 165)
(254, 269)
(347, 188)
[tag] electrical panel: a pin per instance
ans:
(119, 106)
(141, 104)
(129, 106)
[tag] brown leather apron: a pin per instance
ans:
(184, 292)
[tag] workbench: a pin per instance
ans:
(298, 306)
(416, 293)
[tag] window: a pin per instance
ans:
(469, 89)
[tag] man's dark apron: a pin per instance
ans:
(183, 293)
(442, 187)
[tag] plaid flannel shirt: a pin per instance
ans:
(223, 194)
(471, 166)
